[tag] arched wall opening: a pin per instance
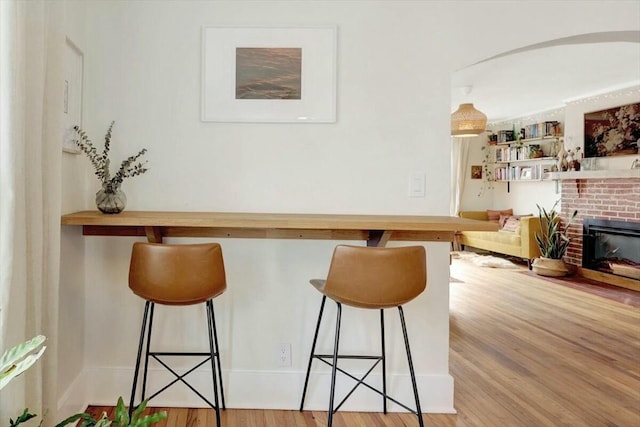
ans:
(559, 80)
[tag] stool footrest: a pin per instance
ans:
(330, 356)
(173, 353)
(360, 381)
(181, 378)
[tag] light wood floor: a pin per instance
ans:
(524, 352)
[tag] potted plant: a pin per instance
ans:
(18, 359)
(110, 199)
(553, 241)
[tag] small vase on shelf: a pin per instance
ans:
(110, 200)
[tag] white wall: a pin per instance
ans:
(72, 301)
(395, 60)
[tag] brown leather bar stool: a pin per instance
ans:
(178, 275)
(370, 278)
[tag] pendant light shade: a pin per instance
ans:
(466, 121)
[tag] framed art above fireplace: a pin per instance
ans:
(612, 132)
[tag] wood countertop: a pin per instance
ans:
(375, 229)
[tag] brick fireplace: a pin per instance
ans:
(616, 199)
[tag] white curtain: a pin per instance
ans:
(31, 97)
(459, 159)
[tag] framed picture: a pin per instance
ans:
(612, 132)
(269, 74)
(476, 172)
(525, 173)
(72, 101)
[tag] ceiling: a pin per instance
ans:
(544, 77)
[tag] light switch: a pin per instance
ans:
(416, 184)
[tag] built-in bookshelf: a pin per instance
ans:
(526, 160)
(532, 131)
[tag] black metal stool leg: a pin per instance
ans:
(413, 374)
(215, 340)
(313, 349)
(137, 368)
(209, 305)
(335, 365)
(146, 359)
(384, 364)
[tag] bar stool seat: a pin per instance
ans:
(369, 278)
(178, 275)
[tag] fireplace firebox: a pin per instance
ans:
(612, 247)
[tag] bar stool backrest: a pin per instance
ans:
(370, 277)
(177, 274)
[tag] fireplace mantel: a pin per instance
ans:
(597, 174)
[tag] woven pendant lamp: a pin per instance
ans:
(466, 121)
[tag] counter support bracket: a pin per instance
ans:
(154, 234)
(378, 238)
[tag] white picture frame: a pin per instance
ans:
(72, 101)
(317, 99)
(526, 173)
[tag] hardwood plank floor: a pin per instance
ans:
(523, 352)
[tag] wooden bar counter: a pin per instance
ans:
(375, 229)
(268, 303)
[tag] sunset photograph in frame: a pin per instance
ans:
(268, 73)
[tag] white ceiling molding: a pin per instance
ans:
(545, 76)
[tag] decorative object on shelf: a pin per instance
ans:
(562, 160)
(110, 199)
(572, 160)
(553, 242)
(466, 121)
(588, 164)
(535, 151)
(612, 132)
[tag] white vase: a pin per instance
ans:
(550, 267)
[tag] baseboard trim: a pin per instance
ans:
(74, 399)
(610, 279)
(258, 390)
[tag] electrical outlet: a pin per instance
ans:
(284, 354)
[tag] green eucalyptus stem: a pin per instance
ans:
(129, 167)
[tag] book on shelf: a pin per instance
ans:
(540, 130)
(519, 173)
